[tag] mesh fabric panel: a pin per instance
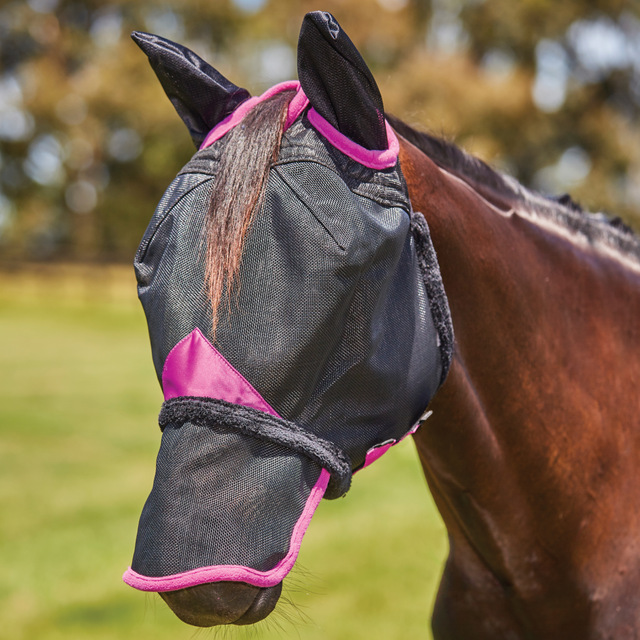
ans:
(197, 513)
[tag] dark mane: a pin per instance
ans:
(238, 191)
(449, 156)
(563, 210)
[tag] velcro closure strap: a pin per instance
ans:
(212, 413)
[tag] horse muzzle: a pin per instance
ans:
(218, 603)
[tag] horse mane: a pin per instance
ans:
(596, 228)
(253, 146)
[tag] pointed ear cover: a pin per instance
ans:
(338, 83)
(201, 96)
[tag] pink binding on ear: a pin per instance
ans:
(382, 159)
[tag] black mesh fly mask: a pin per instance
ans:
(326, 351)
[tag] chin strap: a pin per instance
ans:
(213, 413)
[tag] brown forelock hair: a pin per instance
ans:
(252, 148)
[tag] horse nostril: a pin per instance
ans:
(217, 603)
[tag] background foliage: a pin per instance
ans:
(548, 92)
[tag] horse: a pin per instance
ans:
(531, 453)
(533, 436)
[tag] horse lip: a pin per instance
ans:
(213, 604)
(262, 606)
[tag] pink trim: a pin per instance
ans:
(234, 572)
(383, 159)
(374, 159)
(377, 452)
(411, 431)
(194, 367)
(296, 106)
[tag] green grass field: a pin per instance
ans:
(78, 439)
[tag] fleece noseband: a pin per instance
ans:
(214, 413)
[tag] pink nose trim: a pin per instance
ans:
(234, 572)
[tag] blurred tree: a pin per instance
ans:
(548, 92)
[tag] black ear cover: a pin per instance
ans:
(338, 83)
(201, 96)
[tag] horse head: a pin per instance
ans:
(297, 318)
(299, 328)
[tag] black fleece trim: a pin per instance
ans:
(430, 269)
(212, 413)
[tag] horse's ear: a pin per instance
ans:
(338, 83)
(201, 96)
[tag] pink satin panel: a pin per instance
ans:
(194, 367)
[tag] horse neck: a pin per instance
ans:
(525, 432)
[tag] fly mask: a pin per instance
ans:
(332, 344)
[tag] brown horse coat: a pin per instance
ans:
(533, 449)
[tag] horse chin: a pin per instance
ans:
(218, 603)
